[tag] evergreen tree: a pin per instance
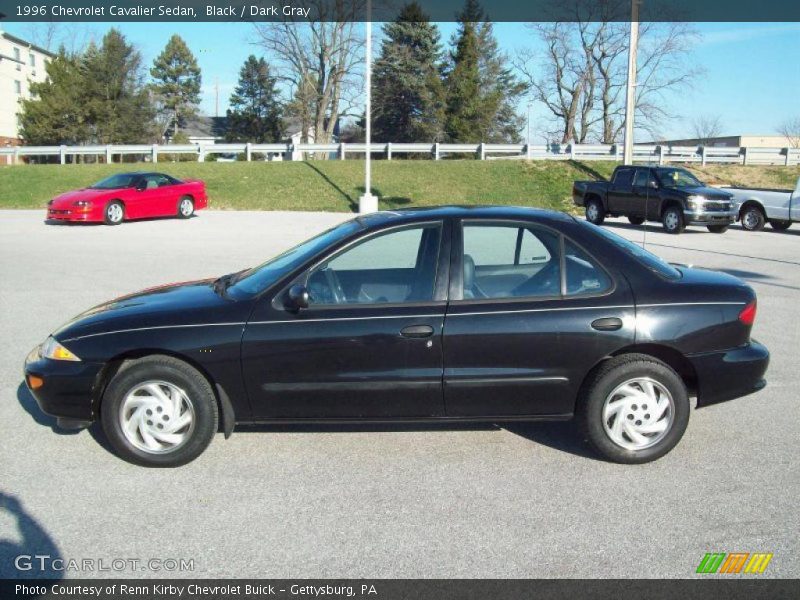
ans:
(408, 95)
(116, 99)
(464, 101)
(177, 81)
(55, 113)
(255, 113)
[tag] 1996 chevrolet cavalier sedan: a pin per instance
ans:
(445, 314)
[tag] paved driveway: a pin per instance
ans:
(526, 501)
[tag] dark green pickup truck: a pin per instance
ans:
(670, 195)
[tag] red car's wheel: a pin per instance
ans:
(185, 207)
(114, 213)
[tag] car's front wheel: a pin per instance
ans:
(673, 220)
(114, 213)
(634, 409)
(159, 411)
(717, 228)
(636, 220)
(595, 213)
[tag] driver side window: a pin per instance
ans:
(394, 267)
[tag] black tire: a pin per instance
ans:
(185, 214)
(605, 381)
(172, 371)
(752, 218)
(114, 213)
(636, 220)
(673, 220)
(717, 228)
(595, 213)
(780, 225)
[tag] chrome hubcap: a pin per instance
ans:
(638, 413)
(591, 211)
(157, 417)
(671, 220)
(750, 219)
(186, 207)
(115, 213)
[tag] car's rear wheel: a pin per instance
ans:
(634, 409)
(673, 221)
(595, 213)
(753, 218)
(159, 411)
(717, 228)
(780, 225)
(185, 207)
(114, 213)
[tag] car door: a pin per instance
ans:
(144, 201)
(369, 345)
(528, 314)
(620, 191)
(644, 196)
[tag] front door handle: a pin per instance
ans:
(417, 331)
(607, 324)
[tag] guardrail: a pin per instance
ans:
(660, 154)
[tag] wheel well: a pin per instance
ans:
(593, 196)
(670, 203)
(749, 204)
(113, 366)
(674, 359)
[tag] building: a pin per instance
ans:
(733, 141)
(21, 63)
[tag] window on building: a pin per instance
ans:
(18, 59)
(17, 86)
(32, 59)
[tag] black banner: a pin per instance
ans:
(399, 589)
(385, 10)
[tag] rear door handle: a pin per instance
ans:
(607, 324)
(417, 331)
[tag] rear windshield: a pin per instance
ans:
(645, 257)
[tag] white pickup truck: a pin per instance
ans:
(757, 207)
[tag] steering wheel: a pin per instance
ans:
(547, 280)
(335, 286)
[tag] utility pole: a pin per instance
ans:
(368, 203)
(216, 95)
(630, 99)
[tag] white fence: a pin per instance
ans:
(584, 152)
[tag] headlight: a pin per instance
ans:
(695, 202)
(82, 203)
(54, 351)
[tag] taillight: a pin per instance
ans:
(748, 314)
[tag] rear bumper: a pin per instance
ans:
(730, 374)
(67, 388)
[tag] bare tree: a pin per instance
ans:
(706, 127)
(321, 61)
(791, 129)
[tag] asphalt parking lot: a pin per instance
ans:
(527, 501)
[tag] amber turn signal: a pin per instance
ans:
(35, 382)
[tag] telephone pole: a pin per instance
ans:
(630, 98)
(368, 203)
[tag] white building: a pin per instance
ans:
(20, 64)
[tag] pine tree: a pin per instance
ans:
(116, 99)
(408, 95)
(177, 81)
(255, 113)
(56, 113)
(464, 102)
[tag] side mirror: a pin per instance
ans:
(297, 297)
(652, 184)
(140, 187)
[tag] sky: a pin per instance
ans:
(751, 71)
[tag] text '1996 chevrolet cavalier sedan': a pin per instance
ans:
(449, 314)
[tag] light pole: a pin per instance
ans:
(630, 98)
(368, 203)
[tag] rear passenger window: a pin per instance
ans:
(623, 177)
(584, 275)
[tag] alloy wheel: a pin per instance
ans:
(186, 207)
(638, 413)
(114, 212)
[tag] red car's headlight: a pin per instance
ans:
(82, 203)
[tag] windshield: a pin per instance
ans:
(257, 279)
(678, 178)
(645, 257)
(115, 182)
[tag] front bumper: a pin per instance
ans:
(72, 214)
(715, 217)
(730, 374)
(67, 387)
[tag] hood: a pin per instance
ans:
(66, 199)
(188, 303)
(709, 192)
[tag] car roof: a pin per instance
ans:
(463, 212)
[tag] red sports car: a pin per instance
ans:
(130, 196)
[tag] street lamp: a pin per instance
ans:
(368, 203)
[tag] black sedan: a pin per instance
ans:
(447, 314)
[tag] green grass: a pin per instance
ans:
(336, 185)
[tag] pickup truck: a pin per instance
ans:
(756, 207)
(670, 195)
